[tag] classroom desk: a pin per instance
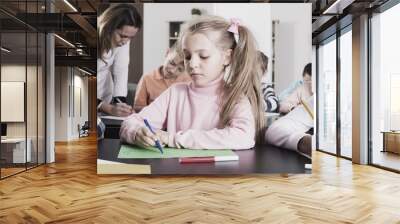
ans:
(263, 159)
(13, 150)
(112, 128)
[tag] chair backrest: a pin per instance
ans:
(86, 125)
(130, 98)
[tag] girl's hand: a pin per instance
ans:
(145, 138)
(163, 136)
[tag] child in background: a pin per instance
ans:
(291, 131)
(153, 84)
(303, 92)
(207, 113)
(270, 99)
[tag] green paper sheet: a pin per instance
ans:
(136, 152)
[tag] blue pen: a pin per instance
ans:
(157, 141)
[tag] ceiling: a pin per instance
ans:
(76, 27)
(330, 16)
(79, 27)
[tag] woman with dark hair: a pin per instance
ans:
(116, 27)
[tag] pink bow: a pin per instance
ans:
(234, 28)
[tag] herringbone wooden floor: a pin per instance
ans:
(70, 191)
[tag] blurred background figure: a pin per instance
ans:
(151, 85)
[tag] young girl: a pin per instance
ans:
(207, 113)
(153, 84)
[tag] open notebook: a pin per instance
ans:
(136, 152)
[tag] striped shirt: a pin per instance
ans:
(271, 103)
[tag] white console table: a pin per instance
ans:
(17, 146)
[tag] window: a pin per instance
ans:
(385, 87)
(22, 75)
(346, 93)
(327, 96)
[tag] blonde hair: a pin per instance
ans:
(113, 18)
(177, 53)
(176, 48)
(244, 75)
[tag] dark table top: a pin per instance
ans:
(261, 159)
(112, 128)
(111, 122)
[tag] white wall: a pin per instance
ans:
(80, 83)
(61, 103)
(256, 17)
(12, 101)
(17, 73)
(314, 68)
(68, 81)
(293, 44)
(33, 126)
(156, 28)
(14, 72)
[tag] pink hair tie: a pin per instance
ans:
(234, 28)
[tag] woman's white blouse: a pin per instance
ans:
(112, 74)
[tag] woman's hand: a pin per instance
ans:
(122, 110)
(119, 109)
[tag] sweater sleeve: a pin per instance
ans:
(291, 101)
(270, 99)
(155, 113)
(120, 70)
(238, 134)
(141, 96)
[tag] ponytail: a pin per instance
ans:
(244, 78)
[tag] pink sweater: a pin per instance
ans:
(191, 115)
